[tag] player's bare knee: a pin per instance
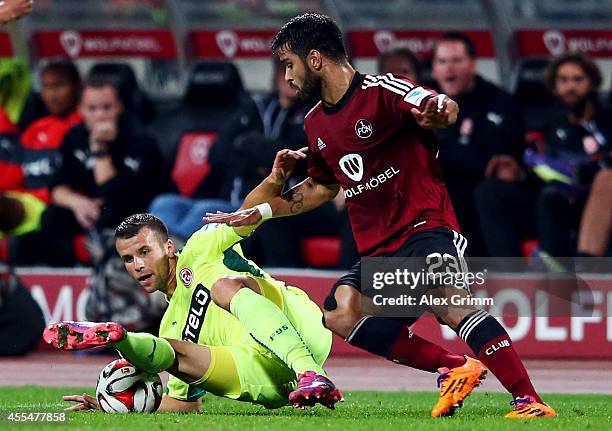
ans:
(447, 313)
(342, 309)
(341, 321)
(224, 289)
(452, 315)
(191, 360)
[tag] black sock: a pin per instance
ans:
(375, 334)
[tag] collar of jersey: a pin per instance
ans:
(355, 83)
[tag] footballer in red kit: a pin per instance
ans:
(372, 136)
(383, 160)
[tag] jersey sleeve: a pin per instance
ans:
(404, 94)
(319, 170)
(179, 390)
(213, 239)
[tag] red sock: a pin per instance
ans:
(491, 343)
(499, 356)
(416, 352)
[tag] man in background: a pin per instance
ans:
(30, 166)
(577, 146)
(485, 140)
(102, 162)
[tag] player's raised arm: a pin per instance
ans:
(272, 185)
(266, 201)
(306, 196)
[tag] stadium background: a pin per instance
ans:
(161, 40)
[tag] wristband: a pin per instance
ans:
(265, 210)
(441, 97)
(99, 154)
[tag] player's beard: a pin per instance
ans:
(311, 89)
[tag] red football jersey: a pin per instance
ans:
(385, 162)
(41, 142)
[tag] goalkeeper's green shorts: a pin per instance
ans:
(251, 372)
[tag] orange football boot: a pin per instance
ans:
(528, 408)
(457, 384)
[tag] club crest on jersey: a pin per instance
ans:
(363, 128)
(352, 166)
(186, 276)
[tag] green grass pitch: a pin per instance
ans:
(362, 411)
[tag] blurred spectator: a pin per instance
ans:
(21, 319)
(27, 175)
(214, 101)
(107, 172)
(486, 138)
(401, 60)
(245, 147)
(582, 138)
(577, 145)
(136, 104)
(243, 153)
(268, 125)
(60, 92)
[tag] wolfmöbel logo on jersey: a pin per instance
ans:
(232, 43)
(370, 43)
(597, 43)
(101, 43)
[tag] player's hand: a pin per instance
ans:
(86, 211)
(245, 217)
(15, 9)
(284, 164)
(102, 133)
(84, 402)
(440, 111)
(504, 167)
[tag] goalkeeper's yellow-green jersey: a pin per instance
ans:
(211, 253)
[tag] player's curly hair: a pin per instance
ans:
(131, 225)
(585, 62)
(311, 31)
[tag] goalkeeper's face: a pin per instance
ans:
(147, 258)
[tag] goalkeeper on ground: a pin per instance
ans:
(230, 329)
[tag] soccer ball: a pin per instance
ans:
(123, 388)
